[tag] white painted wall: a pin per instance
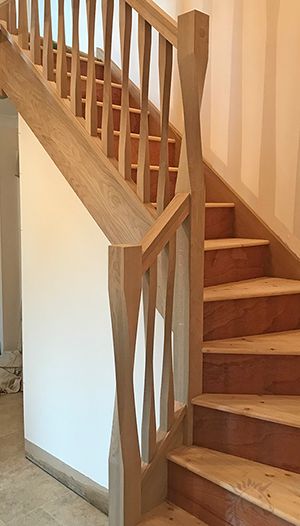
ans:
(68, 353)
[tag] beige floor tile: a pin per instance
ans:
(37, 517)
(74, 511)
(10, 446)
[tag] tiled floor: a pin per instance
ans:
(28, 495)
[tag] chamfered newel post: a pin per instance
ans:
(125, 281)
(193, 31)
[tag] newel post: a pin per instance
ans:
(193, 29)
(125, 279)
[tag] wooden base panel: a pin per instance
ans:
(229, 319)
(214, 504)
(251, 374)
(266, 442)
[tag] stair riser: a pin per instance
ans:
(233, 318)
(154, 179)
(236, 264)
(134, 119)
(251, 374)
(154, 151)
(217, 506)
(266, 442)
(219, 223)
(83, 67)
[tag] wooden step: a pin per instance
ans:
(154, 146)
(234, 259)
(226, 490)
(134, 113)
(99, 66)
(154, 169)
(276, 343)
(167, 514)
(254, 306)
(259, 364)
(264, 429)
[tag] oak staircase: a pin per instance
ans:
(227, 449)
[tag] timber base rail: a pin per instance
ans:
(166, 267)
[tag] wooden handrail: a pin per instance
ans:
(164, 228)
(157, 18)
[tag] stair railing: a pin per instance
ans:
(167, 267)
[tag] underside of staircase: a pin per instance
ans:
(243, 467)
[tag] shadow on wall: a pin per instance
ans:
(251, 105)
(10, 287)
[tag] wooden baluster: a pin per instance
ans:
(61, 61)
(23, 25)
(107, 125)
(125, 277)
(149, 420)
(75, 90)
(4, 12)
(125, 15)
(48, 61)
(193, 29)
(12, 17)
(143, 171)
(35, 39)
(167, 382)
(165, 77)
(91, 115)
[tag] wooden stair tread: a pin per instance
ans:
(98, 81)
(233, 242)
(114, 106)
(155, 168)
(82, 57)
(167, 514)
(252, 288)
(272, 489)
(272, 408)
(275, 343)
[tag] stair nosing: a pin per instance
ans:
(228, 243)
(212, 347)
(226, 405)
(225, 291)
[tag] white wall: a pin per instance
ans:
(67, 340)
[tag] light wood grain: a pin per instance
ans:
(278, 409)
(107, 197)
(12, 17)
(91, 104)
(149, 418)
(107, 113)
(278, 343)
(48, 59)
(228, 243)
(143, 171)
(243, 478)
(168, 513)
(252, 288)
(23, 25)
(124, 460)
(193, 30)
(164, 228)
(35, 48)
(167, 395)
(165, 77)
(61, 60)
(157, 18)
(125, 14)
(75, 86)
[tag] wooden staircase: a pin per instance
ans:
(241, 465)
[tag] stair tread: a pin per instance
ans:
(272, 408)
(98, 81)
(114, 106)
(274, 343)
(272, 489)
(233, 242)
(166, 513)
(252, 288)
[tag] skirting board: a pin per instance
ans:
(87, 489)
